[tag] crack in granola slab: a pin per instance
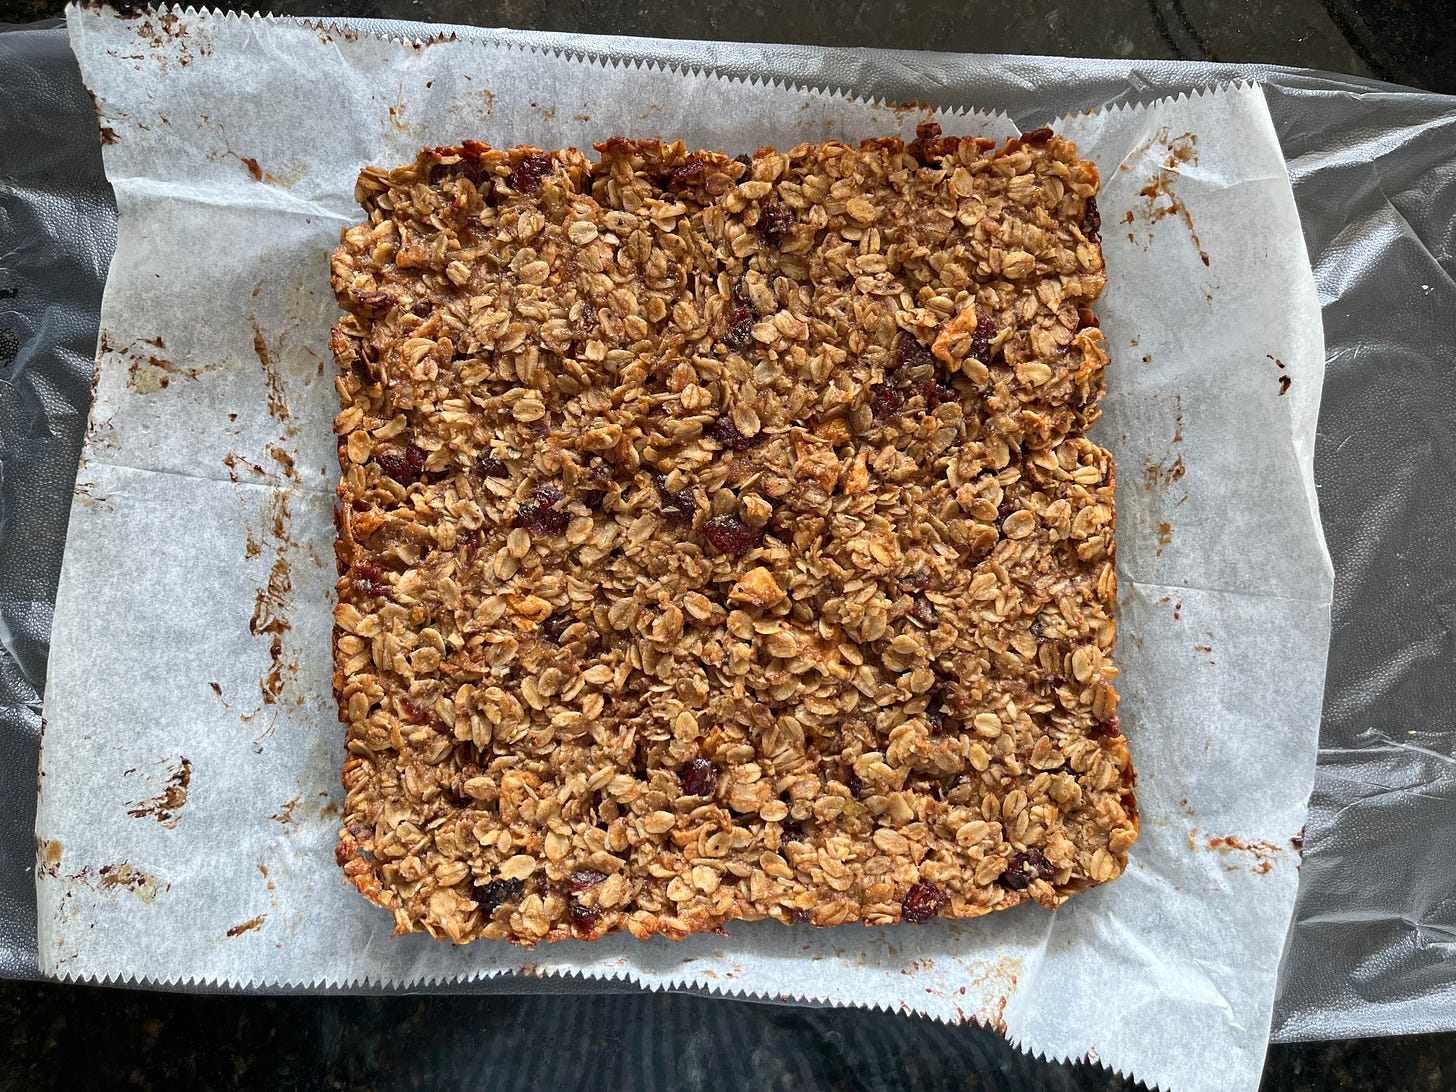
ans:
(719, 539)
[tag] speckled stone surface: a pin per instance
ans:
(64, 1037)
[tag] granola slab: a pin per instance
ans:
(719, 538)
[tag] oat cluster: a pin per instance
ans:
(719, 538)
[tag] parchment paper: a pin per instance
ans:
(186, 829)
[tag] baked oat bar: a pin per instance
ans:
(720, 538)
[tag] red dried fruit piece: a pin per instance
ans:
(1091, 219)
(422, 309)
(412, 712)
(982, 338)
(470, 540)
(916, 580)
(468, 168)
(726, 433)
(909, 352)
(584, 919)
(554, 626)
(491, 468)
(496, 893)
(527, 176)
(1106, 729)
(698, 777)
(936, 392)
(885, 401)
(730, 535)
(538, 516)
(774, 220)
(677, 507)
(369, 579)
(1026, 867)
(923, 902)
(740, 328)
(686, 173)
(585, 878)
(405, 467)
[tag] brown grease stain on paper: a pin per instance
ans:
(272, 377)
(1180, 150)
(165, 807)
(1264, 853)
(1161, 473)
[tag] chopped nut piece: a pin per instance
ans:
(758, 587)
(721, 539)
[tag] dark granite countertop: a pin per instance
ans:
(66, 1037)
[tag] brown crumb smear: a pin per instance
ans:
(722, 541)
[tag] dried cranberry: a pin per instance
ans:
(1026, 867)
(885, 401)
(555, 626)
(422, 309)
(924, 612)
(686, 173)
(909, 352)
(584, 878)
(982, 338)
(923, 902)
(496, 893)
(916, 580)
(593, 498)
(491, 468)
(539, 515)
(726, 433)
(936, 392)
(1091, 219)
(730, 535)
(406, 467)
(677, 507)
(412, 712)
(526, 178)
(468, 168)
(369, 579)
(470, 540)
(698, 778)
(740, 328)
(1106, 729)
(585, 920)
(774, 219)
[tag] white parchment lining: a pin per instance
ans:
(190, 794)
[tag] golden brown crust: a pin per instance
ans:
(721, 540)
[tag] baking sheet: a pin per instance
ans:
(190, 766)
(1373, 174)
